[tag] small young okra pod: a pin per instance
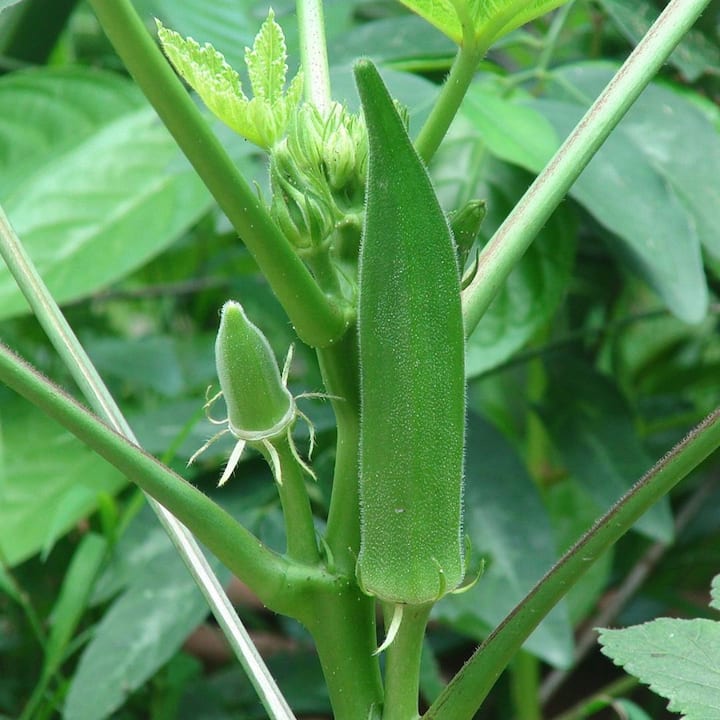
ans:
(261, 409)
(411, 371)
(255, 395)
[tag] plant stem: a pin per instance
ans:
(313, 53)
(449, 100)
(299, 527)
(317, 321)
(467, 690)
(90, 383)
(514, 236)
(524, 684)
(277, 581)
(618, 687)
(339, 367)
(402, 669)
(343, 627)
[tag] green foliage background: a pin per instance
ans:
(598, 354)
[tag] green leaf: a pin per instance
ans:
(653, 183)
(678, 659)
(42, 465)
(592, 428)
(266, 62)
(262, 120)
(140, 632)
(694, 56)
(113, 187)
(5, 4)
(504, 516)
(513, 131)
(73, 599)
(480, 18)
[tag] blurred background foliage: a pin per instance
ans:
(600, 351)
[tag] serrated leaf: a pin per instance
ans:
(678, 659)
(266, 61)
(488, 19)
(263, 120)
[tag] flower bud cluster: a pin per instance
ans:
(318, 174)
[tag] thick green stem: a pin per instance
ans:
(317, 321)
(299, 527)
(343, 627)
(449, 100)
(513, 237)
(402, 669)
(313, 53)
(466, 692)
(278, 582)
(339, 366)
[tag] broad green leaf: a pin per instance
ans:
(537, 285)
(590, 424)
(653, 184)
(42, 465)
(678, 659)
(263, 119)
(695, 55)
(504, 516)
(485, 20)
(114, 189)
(141, 631)
(513, 131)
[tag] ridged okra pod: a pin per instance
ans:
(411, 371)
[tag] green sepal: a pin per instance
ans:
(411, 347)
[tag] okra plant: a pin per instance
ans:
(362, 431)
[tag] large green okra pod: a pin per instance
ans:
(411, 371)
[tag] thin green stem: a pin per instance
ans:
(339, 366)
(317, 320)
(524, 686)
(514, 236)
(448, 102)
(299, 527)
(276, 580)
(466, 692)
(313, 53)
(402, 668)
(90, 383)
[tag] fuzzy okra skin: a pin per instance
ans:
(411, 371)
